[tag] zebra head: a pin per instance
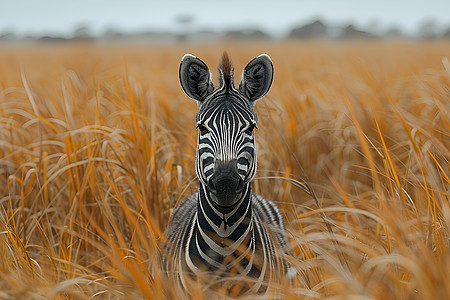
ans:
(226, 154)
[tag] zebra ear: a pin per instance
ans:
(257, 78)
(195, 78)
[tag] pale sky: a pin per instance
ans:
(60, 17)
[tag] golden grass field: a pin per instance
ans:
(97, 144)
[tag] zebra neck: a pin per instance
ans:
(228, 223)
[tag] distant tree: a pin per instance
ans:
(246, 34)
(394, 32)
(184, 22)
(184, 19)
(351, 31)
(111, 32)
(446, 33)
(428, 29)
(51, 39)
(310, 30)
(82, 31)
(7, 35)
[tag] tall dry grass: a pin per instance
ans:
(97, 144)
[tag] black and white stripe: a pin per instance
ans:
(225, 133)
(225, 229)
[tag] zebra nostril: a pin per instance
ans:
(225, 185)
(211, 185)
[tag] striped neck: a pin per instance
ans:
(231, 223)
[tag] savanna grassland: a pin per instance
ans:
(97, 144)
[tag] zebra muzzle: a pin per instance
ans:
(225, 183)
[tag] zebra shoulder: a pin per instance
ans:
(270, 215)
(267, 211)
(181, 215)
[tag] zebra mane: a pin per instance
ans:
(226, 73)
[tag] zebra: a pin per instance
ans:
(225, 230)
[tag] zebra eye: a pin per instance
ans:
(250, 128)
(202, 128)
